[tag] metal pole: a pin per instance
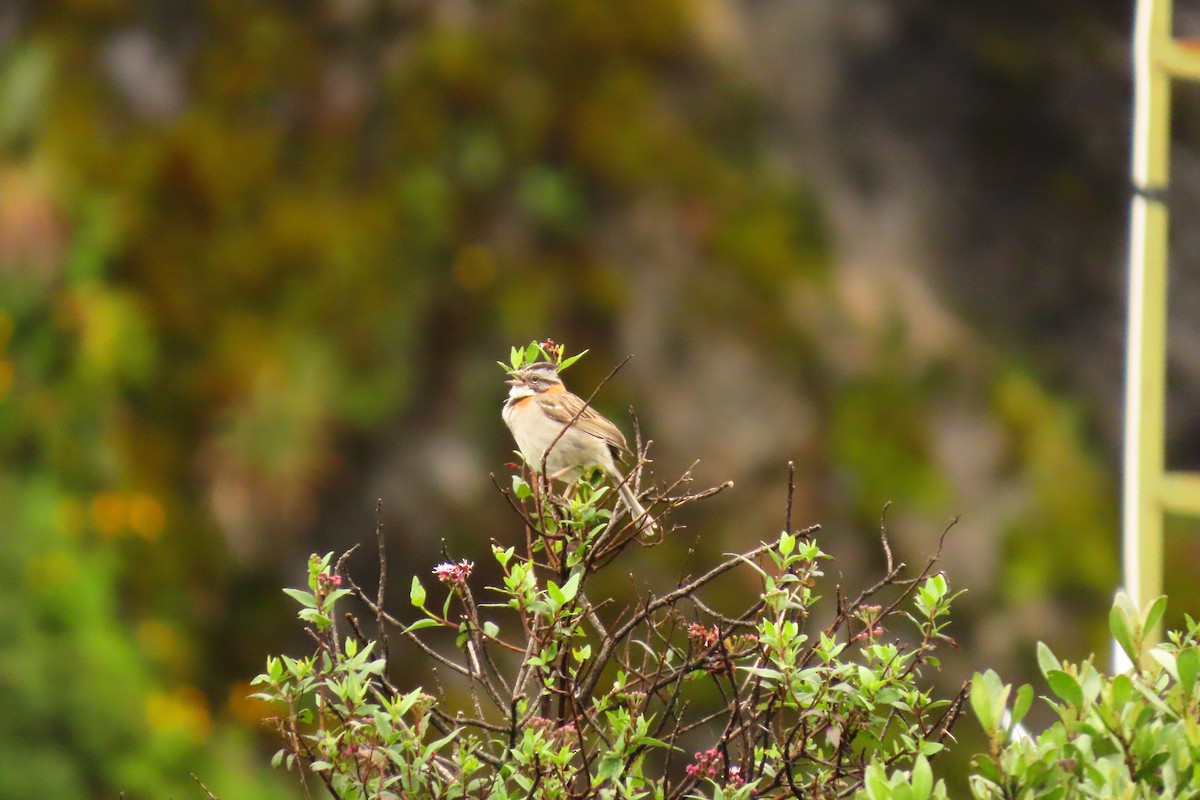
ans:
(1145, 389)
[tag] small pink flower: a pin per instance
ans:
(455, 574)
(868, 633)
(707, 764)
(706, 637)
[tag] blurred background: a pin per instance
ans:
(258, 262)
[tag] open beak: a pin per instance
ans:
(515, 382)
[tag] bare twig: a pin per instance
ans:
(887, 550)
(390, 620)
(657, 646)
(381, 631)
(787, 525)
(593, 675)
(211, 796)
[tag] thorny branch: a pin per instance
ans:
(540, 654)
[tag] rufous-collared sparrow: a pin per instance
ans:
(538, 409)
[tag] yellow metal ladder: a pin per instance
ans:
(1150, 490)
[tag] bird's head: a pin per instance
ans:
(532, 379)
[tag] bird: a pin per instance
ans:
(536, 412)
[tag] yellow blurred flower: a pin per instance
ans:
(109, 513)
(246, 709)
(182, 711)
(146, 516)
(163, 643)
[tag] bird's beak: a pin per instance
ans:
(515, 382)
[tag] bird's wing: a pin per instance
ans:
(562, 407)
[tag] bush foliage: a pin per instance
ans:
(550, 692)
(1136, 734)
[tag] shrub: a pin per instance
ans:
(559, 694)
(1131, 735)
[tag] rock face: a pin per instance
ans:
(971, 164)
(986, 147)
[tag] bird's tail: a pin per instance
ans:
(645, 523)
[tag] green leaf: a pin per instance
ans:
(566, 362)
(520, 488)
(1046, 659)
(652, 742)
(491, 628)
(1122, 692)
(1167, 660)
(306, 599)
(502, 555)
(1155, 613)
(434, 747)
(612, 764)
(877, 783)
(986, 768)
(922, 779)
(1189, 667)
(1153, 699)
(532, 352)
(571, 587)
(1022, 703)
(1151, 767)
(416, 594)
(763, 672)
(322, 621)
(407, 701)
(982, 701)
(929, 748)
(421, 624)
(1065, 686)
(1119, 626)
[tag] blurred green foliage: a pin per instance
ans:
(97, 699)
(223, 282)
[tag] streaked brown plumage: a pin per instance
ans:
(539, 407)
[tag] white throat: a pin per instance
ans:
(520, 390)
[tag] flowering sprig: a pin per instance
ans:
(710, 764)
(454, 574)
(557, 695)
(548, 350)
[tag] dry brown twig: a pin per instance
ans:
(546, 672)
